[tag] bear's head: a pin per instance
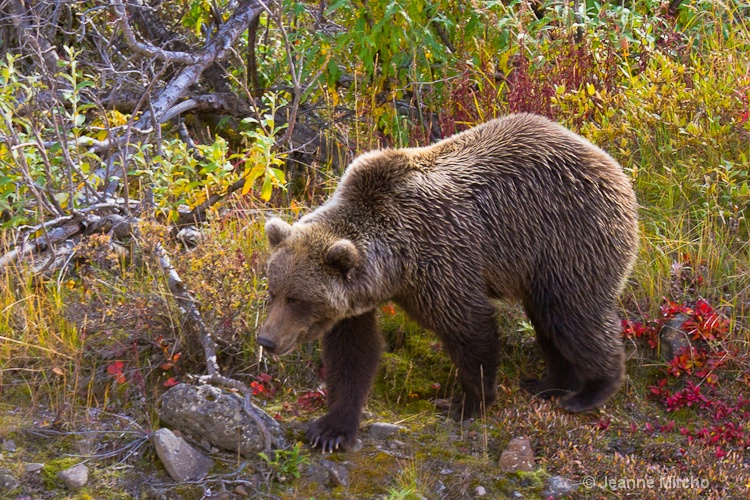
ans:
(310, 274)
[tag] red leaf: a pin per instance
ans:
(171, 382)
(389, 309)
(115, 368)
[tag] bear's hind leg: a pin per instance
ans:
(560, 377)
(351, 353)
(474, 348)
(593, 346)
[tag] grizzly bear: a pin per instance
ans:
(518, 208)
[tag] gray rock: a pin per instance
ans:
(9, 445)
(672, 338)
(559, 487)
(74, 478)
(317, 474)
(518, 456)
(337, 473)
(182, 461)
(216, 416)
(383, 430)
(8, 482)
(33, 467)
(480, 491)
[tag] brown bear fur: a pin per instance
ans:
(518, 208)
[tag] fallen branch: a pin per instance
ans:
(56, 235)
(189, 308)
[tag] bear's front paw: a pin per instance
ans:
(332, 432)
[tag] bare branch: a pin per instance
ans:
(148, 49)
(214, 50)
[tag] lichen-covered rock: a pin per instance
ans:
(74, 478)
(7, 482)
(182, 461)
(559, 487)
(518, 456)
(383, 430)
(317, 474)
(217, 416)
(337, 473)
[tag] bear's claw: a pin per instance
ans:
(330, 436)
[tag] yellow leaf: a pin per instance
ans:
(294, 206)
(251, 177)
(266, 190)
(247, 186)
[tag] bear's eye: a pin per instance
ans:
(294, 302)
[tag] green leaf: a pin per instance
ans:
(337, 5)
(84, 84)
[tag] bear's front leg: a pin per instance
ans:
(351, 353)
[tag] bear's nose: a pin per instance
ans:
(267, 344)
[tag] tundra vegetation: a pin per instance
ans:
(144, 142)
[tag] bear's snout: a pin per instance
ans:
(267, 344)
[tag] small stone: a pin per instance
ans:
(74, 478)
(33, 467)
(480, 491)
(398, 443)
(317, 474)
(558, 487)
(241, 491)
(382, 430)
(9, 445)
(357, 446)
(337, 473)
(182, 461)
(446, 471)
(8, 482)
(518, 456)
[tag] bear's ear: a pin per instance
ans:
(343, 256)
(277, 231)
